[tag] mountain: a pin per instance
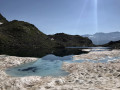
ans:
(70, 40)
(2, 19)
(113, 44)
(19, 37)
(22, 36)
(103, 38)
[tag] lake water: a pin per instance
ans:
(50, 64)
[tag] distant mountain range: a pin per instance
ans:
(103, 38)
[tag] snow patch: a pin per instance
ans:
(52, 39)
(1, 23)
(91, 36)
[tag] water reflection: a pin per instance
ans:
(40, 52)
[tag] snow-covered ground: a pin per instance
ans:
(97, 55)
(83, 76)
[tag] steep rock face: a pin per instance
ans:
(2, 19)
(113, 44)
(71, 40)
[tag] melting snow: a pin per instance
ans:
(1, 23)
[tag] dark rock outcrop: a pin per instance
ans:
(68, 51)
(113, 44)
(71, 40)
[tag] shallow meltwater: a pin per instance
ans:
(49, 65)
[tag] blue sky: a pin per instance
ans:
(68, 16)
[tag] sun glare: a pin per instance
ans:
(96, 14)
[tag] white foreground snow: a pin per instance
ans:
(83, 76)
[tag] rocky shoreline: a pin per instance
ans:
(83, 76)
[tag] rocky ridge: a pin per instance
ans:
(103, 38)
(113, 44)
(71, 40)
